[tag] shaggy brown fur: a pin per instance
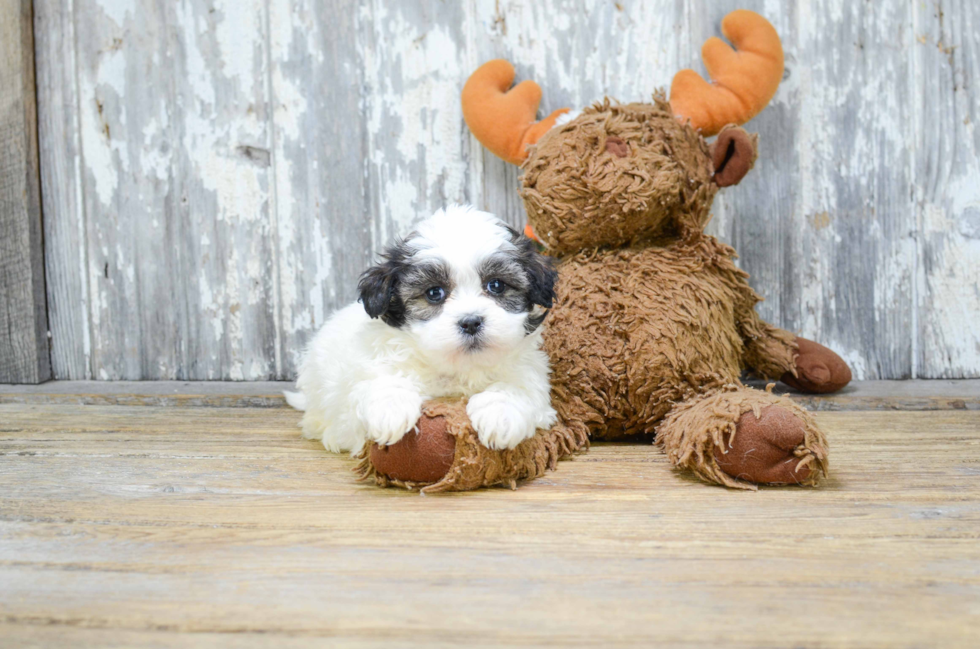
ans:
(653, 323)
(652, 314)
(636, 330)
(697, 429)
(474, 465)
(578, 195)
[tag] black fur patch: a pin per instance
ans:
(378, 286)
(413, 284)
(534, 321)
(540, 274)
(539, 268)
(506, 267)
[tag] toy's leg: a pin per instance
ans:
(445, 454)
(739, 437)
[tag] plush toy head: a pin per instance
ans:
(615, 174)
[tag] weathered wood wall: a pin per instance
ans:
(24, 356)
(216, 174)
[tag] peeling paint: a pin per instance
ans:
(241, 162)
(820, 220)
(414, 118)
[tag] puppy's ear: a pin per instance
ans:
(543, 277)
(377, 289)
(378, 286)
(540, 271)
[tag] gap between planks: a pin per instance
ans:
(859, 395)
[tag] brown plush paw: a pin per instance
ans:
(424, 456)
(818, 369)
(769, 449)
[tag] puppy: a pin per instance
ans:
(454, 309)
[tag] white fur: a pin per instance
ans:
(363, 380)
(565, 118)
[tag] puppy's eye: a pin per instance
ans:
(435, 295)
(496, 287)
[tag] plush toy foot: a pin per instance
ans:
(446, 455)
(770, 449)
(818, 369)
(740, 437)
(422, 456)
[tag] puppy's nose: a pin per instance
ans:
(471, 324)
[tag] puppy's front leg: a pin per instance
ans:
(504, 415)
(387, 407)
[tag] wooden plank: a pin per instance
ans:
(176, 146)
(324, 222)
(227, 203)
(761, 216)
(224, 394)
(412, 70)
(208, 219)
(825, 226)
(860, 395)
(186, 526)
(24, 355)
(66, 266)
(129, 206)
(946, 67)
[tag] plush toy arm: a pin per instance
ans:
(769, 351)
(773, 353)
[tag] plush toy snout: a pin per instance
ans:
(617, 147)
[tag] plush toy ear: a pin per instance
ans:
(733, 154)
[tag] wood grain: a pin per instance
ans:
(947, 187)
(224, 200)
(825, 224)
(24, 355)
(859, 395)
(324, 223)
(156, 526)
(66, 261)
(175, 145)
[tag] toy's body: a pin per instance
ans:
(635, 331)
(653, 323)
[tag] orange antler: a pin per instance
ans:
(504, 121)
(744, 80)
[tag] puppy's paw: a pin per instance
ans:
(391, 414)
(499, 423)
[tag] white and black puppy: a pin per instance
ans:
(452, 310)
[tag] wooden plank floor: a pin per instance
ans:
(178, 526)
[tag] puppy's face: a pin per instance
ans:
(466, 286)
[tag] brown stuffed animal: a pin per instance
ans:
(653, 323)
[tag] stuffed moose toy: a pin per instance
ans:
(652, 324)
